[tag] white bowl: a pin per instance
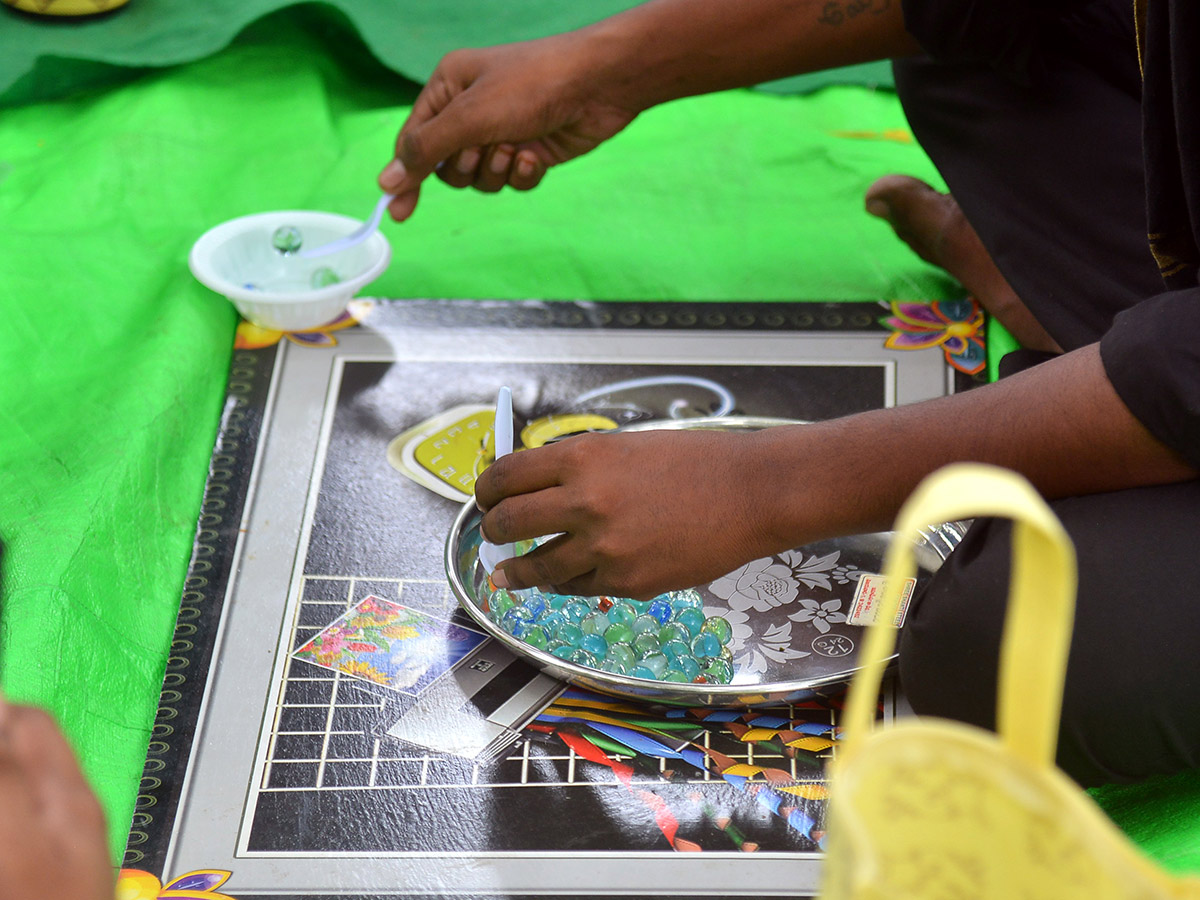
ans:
(237, 254)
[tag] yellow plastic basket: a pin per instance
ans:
(938, 810)
(65, 7)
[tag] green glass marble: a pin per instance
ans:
(646, 644)
(718, 671)
(673, 631)
(622, 613)
(287, 239)
(646, 624)
(594, 623)
(323, 277)
(718, 628)
(623, 654)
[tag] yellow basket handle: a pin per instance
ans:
(1037, 625)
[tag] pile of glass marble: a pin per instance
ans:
(665, 639)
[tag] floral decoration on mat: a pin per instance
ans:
(252, 337)
(134, 884)
(955, 325)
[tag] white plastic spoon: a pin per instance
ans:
(357, 236)
(490, 554)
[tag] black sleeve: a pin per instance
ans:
(1011, 36)
(1152, 357)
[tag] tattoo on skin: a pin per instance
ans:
(838, 12)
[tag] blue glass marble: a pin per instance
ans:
(516, 616)
(661, 610)
(594, 644)
(676, 648)
(536, 604)
(570, 633)
(691, 619)
(686, 665)
(705, 645)
(576, 609)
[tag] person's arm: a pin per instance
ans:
(503, 115)
(645, 512)
(667, 49)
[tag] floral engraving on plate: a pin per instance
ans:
(765, 601)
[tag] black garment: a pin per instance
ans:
(1033, 113)
(1131, 706)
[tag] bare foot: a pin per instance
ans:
(935, 228)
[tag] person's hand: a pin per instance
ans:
(502, 116)
(53, 841)
(639, 513)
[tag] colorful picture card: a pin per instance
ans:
(390, 645)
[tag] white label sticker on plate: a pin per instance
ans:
(864, 608)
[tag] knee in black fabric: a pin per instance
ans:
(1131, 703)
(949, 645)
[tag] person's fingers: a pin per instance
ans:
(459, 125)
(52, 779)
(526, 516)
(494, 168)
(403, 205)
(461, 168)
(518, 473)
(558, 561)
(50, 820)
(527, 170)
(36, 743)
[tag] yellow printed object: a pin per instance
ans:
(542, 431)
(65, 7)
(930, 808)
(459, 451)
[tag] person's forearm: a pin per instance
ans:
(666, 49)
(1060, 424)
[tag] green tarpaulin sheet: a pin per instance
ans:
(113, 360)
